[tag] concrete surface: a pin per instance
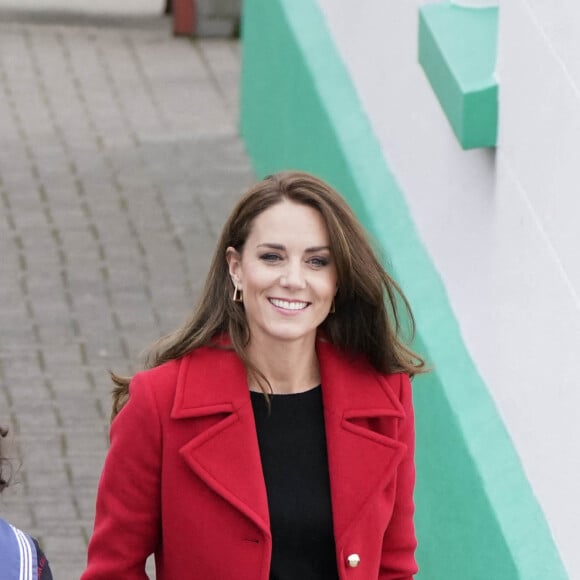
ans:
(119, 160)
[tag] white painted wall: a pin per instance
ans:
(503, 228)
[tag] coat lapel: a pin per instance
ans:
(213, 393)
(361, 419)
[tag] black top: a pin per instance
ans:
(292, 444)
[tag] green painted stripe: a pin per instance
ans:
(477, 517)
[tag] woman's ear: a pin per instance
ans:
(234, 260)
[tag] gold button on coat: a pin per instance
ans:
(353, 560)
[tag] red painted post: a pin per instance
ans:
(183, 17)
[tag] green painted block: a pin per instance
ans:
(457, 50)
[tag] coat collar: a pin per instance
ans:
(361, 413)
(360, 410)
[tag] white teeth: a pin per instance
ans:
(288, 305)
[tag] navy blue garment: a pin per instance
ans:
(20, 556)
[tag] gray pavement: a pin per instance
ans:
(119, 159)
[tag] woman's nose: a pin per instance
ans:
(293, 276)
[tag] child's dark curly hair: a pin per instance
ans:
(3, 478)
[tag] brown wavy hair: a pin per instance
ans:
(371, 311)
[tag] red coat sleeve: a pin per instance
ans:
(127, 521)
(399, 543)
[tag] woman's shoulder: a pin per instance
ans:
(399, 382)
(356, 363)
(164, 378)
(159, 392)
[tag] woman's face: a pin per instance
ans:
(286, 273)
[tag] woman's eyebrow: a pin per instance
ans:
(283, 247)
(318, 248)
(272, 246)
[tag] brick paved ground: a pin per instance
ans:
(119, 159)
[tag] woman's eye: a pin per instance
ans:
(270, 257)
(318, 262)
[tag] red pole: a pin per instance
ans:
(183, 17)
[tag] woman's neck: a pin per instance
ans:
(290, 367)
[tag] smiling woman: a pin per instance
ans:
(287, 278)
(309, 479)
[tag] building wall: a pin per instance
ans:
(482, 242)
(536, 255)
(500, 226)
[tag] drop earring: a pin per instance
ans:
(238, 295)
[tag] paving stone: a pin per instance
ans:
(119, 161)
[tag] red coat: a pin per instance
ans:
(183, 477)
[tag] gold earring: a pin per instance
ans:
(238, 294)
